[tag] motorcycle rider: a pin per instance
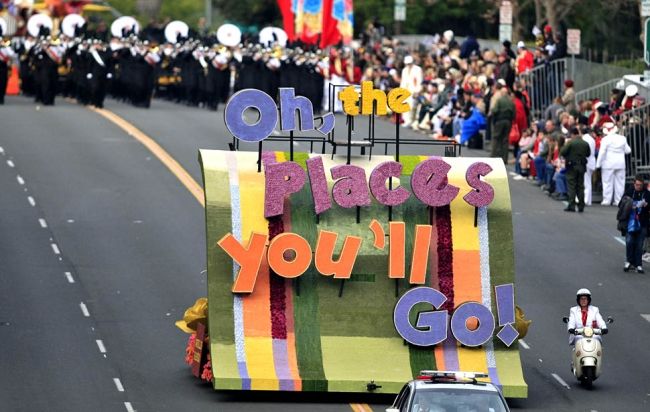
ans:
(584, 315)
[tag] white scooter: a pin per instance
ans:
(586, 358)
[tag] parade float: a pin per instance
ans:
(342, 273)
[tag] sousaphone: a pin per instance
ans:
(124, 24)
(70, 24)
(176, 29)
(229, 35)
(37, 23)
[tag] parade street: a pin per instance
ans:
(102, 248)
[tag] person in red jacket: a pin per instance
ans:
(519, 123)
(525, 58)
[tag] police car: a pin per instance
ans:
(445, 391)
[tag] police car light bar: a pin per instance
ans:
(452, 374)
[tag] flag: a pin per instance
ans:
(322, 22)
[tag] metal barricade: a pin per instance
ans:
(635, 126)
(603, 91)
(545, 83)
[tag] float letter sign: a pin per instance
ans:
(305, 267)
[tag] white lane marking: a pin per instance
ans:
(20, 180)
(101, 346)
(560, 380)
(70, 220)
(10, 163)
(128, 407)
(31, 201)
(69, 276)
(55, 249)
(646, 316)
(2, 150)
(43, 223)
(523, 344)
(118, 384)
(619, 240)
(84, 309)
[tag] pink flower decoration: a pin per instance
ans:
(430, 184)
(378, 188)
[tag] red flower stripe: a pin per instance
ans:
(278, 295)
(445, 256)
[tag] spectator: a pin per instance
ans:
(505, 71)
(553, 111)
(475, 122)
(469, 46)
(525, 59)
(411, 81)
(569, 97)
(611, 161)
(637, 224)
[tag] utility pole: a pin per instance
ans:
(400, 15)
(208, 14)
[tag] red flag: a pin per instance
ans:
(287, 18)
(330, 35)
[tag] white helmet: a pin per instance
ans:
(583, 292)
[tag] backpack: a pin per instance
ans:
(623, 214)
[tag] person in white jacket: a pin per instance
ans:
(591, 165)
(584, 315)
(611, 161)
(411, 81)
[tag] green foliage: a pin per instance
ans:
(427, 16)
(637, 64)
(188, 11)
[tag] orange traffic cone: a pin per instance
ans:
(13, 85)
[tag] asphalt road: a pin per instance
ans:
(110, 250)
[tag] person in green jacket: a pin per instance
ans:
(575, 152)
(502, 114)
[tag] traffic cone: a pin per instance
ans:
(13, 85)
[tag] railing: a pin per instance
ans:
(544, 83)
(603, 90)
(635, 126)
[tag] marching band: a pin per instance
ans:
(195, 72)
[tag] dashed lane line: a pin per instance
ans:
(619, 240)
(118, 384)
(129, 407)
(560, 380)
(646, 316)
(20, 180)
(101, 346)
(523, 344)
(31, 201)
(68, 275)
(43, 223)
(10, 163)
(55, 249)
(84, 309)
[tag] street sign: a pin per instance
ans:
(400, 13)
(505, 32)
(645, 8)
(400, 10)
(505, 13)
(573, 41)
(646, 42)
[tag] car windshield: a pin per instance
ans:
(456, 400)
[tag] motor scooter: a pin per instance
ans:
(586, 358)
